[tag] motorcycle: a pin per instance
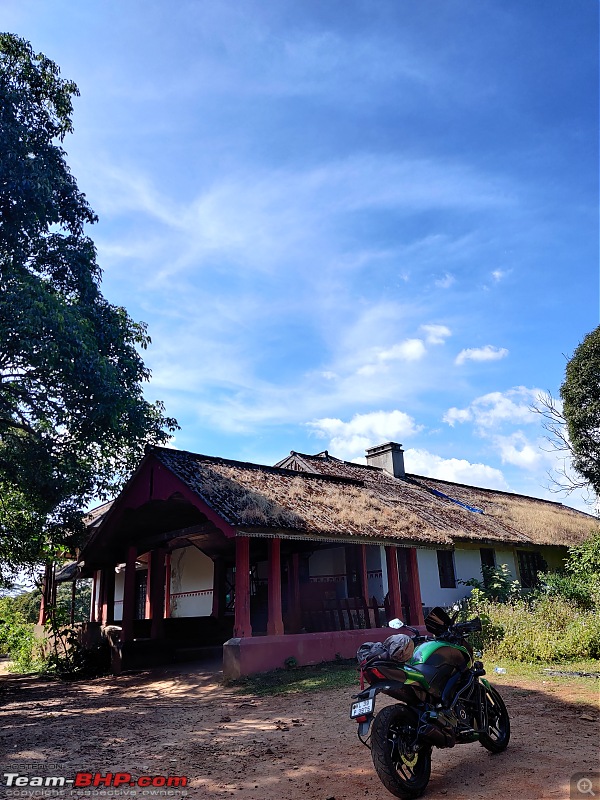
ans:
(442, 700)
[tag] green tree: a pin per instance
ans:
(580, 394)
(73, 418)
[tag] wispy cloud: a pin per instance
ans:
(486, 353)
(446, 281)
(436, 334)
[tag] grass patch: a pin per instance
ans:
(329, 675)
(534, 671)
(344, 675)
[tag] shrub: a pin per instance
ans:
(498, 584)
(17, 638)
(550, 629)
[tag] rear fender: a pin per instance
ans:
(395, 689)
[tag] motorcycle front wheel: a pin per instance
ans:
(403, 768)
(498, 731)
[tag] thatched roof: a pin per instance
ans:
(324, 497)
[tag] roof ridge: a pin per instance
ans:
(252, 465)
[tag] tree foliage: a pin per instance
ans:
(73, 418)
(580, 394)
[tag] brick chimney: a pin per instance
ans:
(389, 456)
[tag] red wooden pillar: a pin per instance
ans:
(391, 558)
(294, 610)
(129, 596)
(157, 593)
(275, 619)
(413, 590)
(108, 595)
(242, 627)
(362, 567)
(167, 585)
(218, 601)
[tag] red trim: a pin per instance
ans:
(152, 481)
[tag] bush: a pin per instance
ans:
(549, 629)
(498, 584)
(17, 638)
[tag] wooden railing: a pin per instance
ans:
(353, 613)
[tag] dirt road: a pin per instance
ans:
(182, 722)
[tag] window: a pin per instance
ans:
(530, 563)
(141, 584)
(445, 559)
(488, 557)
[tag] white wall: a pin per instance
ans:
(192, 577)
(467, 564)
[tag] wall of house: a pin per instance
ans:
(192, 577)
(119, 585)
(467, 564)
(329, 567)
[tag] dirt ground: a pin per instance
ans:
(182, 722)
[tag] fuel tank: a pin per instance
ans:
(438, 661)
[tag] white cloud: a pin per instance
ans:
(446, 281)
(350, 439)
(487, 353)
(500, 274)
(518, 450)
(495, 408)
(408, 350)
(458, 470)
(436, 334)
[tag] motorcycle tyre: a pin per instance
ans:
(497, 745)
(381, 753)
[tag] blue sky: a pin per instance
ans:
(344, 222)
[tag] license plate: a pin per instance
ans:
(360, 708)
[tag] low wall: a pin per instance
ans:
(264, 653)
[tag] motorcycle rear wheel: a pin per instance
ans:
(403, 770)
(498, 735)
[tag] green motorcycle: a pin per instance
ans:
(443, 700)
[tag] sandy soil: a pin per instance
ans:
(181, 721)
